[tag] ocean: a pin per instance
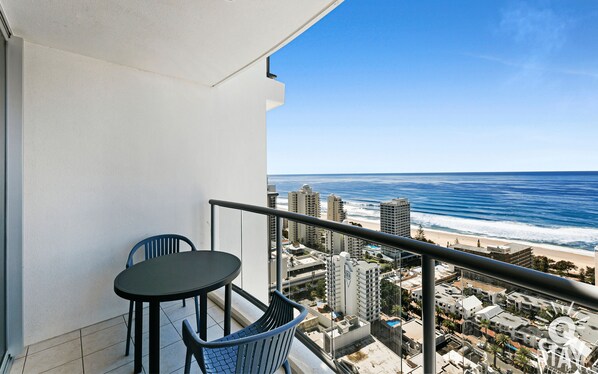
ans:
(555, 208)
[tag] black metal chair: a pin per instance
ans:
(260, 348)
(156, 246)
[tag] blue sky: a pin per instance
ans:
(440, 86)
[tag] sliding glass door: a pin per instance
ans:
(2, 198)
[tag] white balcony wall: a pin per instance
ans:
(113, 154)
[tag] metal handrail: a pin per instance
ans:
(561, 288)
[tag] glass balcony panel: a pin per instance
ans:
(521, 330)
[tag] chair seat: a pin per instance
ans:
(224, 360)
(261, 347)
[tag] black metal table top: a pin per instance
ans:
(177, 276)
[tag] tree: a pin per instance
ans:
(484, 323)
(379, 255)
(494, 349)
(590, 275)
(522, 358)
(449, 325)
(582, 275)
(389, 294)
(420, 235)
(564, 267)
(320, 289)
(438, 313)
(502, 340)
(541, 263)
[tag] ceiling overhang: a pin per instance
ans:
(204, 41)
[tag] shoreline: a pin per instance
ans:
(581, 258)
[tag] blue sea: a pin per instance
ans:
(556, 208)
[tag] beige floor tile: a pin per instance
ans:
(216, 313)
(54, 341)
(194, 369)
(104, 338)
(234, 326)
(177, 312)
(73, 367)
(107, 359)
(179, 324)
(172, 358)
(163, 319)
(53, 357)
(102, 325)
(125, 369)
(17, 366)
(168, 335)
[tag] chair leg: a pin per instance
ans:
(184, 303)
(129, 322)
(196, 313)
(287, 367)
(188, 362)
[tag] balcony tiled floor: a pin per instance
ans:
(100, 348)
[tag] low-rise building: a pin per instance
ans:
(512, 253)
(527, 303)
(507, 323)
(346, 332)
(482, 290)
(488, 312)
(413, 337)
(468, 307)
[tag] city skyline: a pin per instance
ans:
(514, 84)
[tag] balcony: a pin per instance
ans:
(122, 122)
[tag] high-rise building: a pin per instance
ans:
(353, 287)
(272, 195)
(337, 243)
(304, 201)
(336, 209)
(395, 218)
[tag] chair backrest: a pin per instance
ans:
(267, 354)
(266, 345)
(159, 245)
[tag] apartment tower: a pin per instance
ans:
(395, 218)
(353, 287)
(336, 209)
(305, 201)
(337, 243)
(272, 195)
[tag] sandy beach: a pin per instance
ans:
(579, 257)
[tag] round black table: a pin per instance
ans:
(174, 277)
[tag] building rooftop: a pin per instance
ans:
(398, 202)
(470, 302)
(483, 286)
(447, 294)
(413, 330)
(509, 248)
(529, 299)
(489, 311)
(509, 320)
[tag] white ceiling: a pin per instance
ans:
(205, 41)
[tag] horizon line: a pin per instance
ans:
(442, 172)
